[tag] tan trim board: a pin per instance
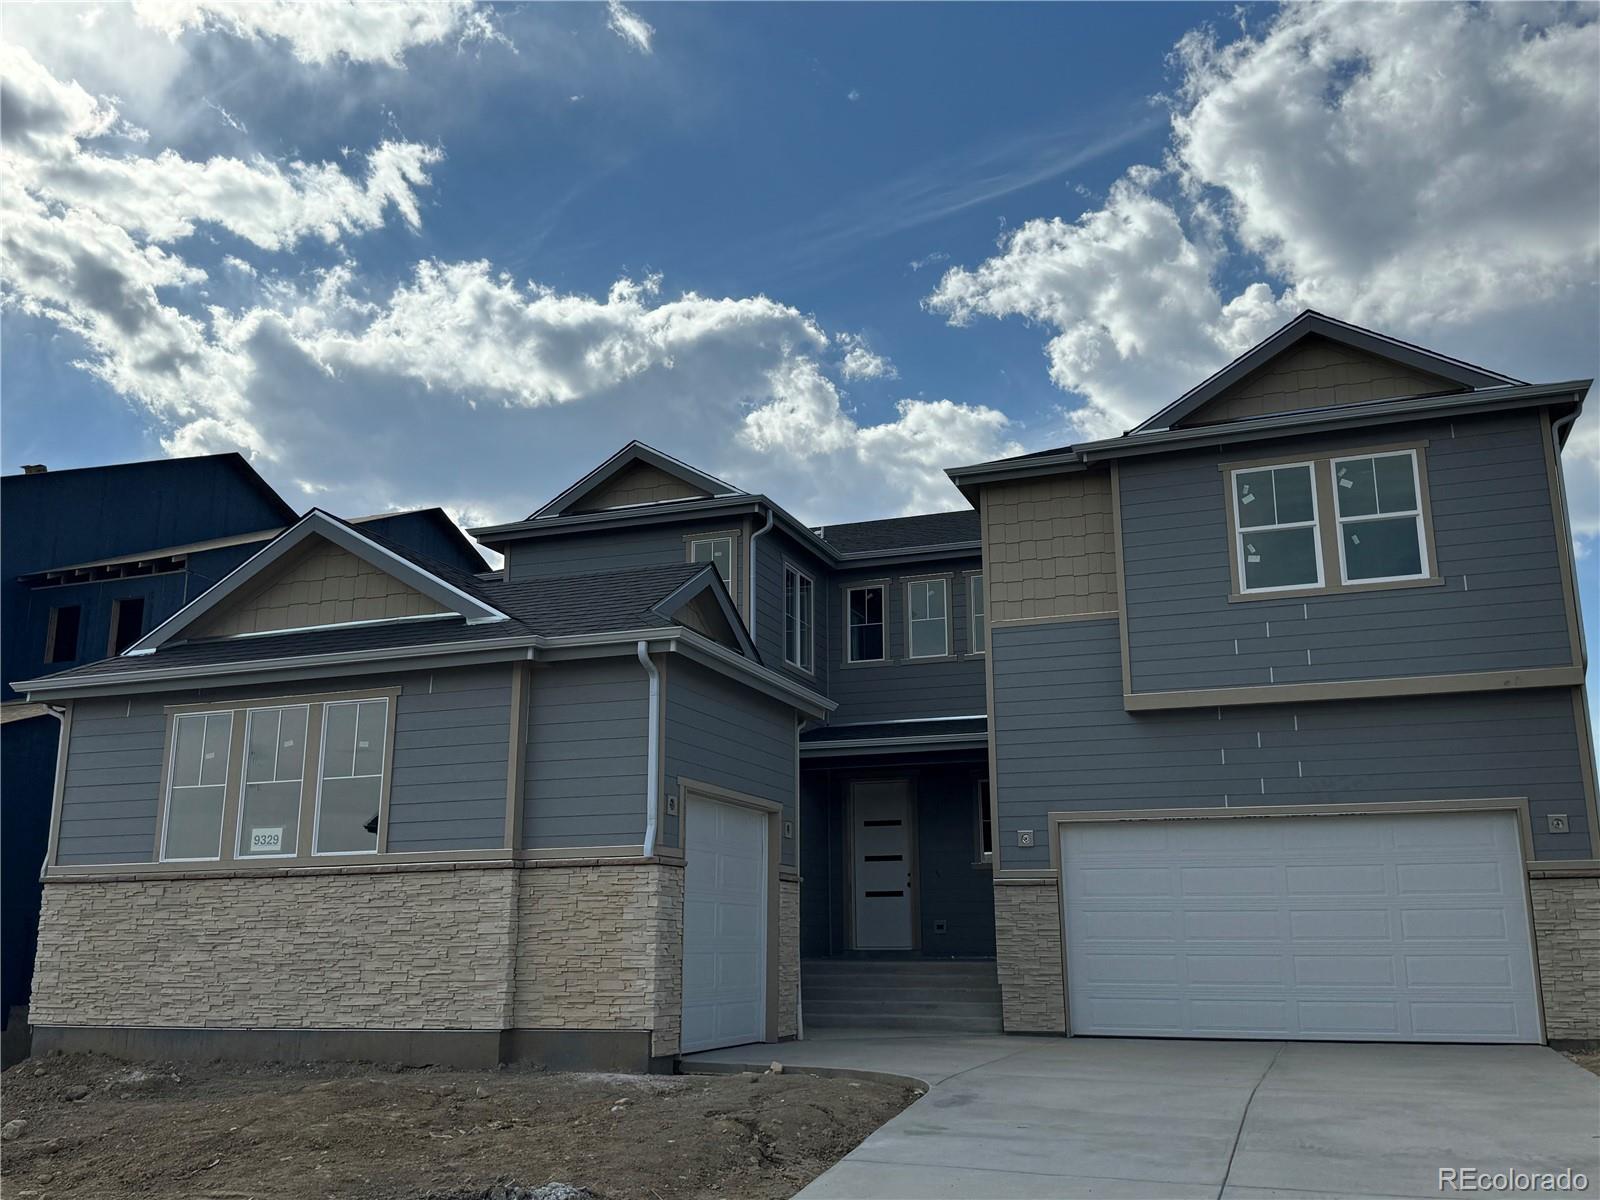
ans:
(1353, 452)
(1556, 484)
(1576, 868)
(281, 701)
(1122, 578)
(560, 856)
(988, 681)
(59, 789)
(516, 755)
(1057, 619)
(1333, 589)
(1356, 689)
(712, 791)
(1586, 763)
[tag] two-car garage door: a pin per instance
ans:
(1408, 927)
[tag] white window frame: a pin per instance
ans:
(805, 631)
(1239, 532)
(981, 789)
(975, 644)
(382, 777)
(244, 770)
(883, 625)
(692, 540)
(1415, 513)
(227, 774)
(944, 582)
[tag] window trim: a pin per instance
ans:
(167, 785)
(734, 538)
(882, 588)
(1240, 533)
(975, 645)
(228, 859)
(810, 623)
(1424, 550)
(380, 842)
(982, 857)
(949, 618)
(50, 635)
(1328, 533)
(244, 765)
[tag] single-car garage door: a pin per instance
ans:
(1402, 927)
(724, 925)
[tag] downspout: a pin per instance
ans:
(653, 764)
(750, 592)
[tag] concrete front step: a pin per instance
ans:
(920, 1023)
(901, 994)
(818, 995)
(890, 1005)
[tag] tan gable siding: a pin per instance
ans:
(704, 615)
(1317, 373)
(639, 484)
(1049, 548)
(318, 584)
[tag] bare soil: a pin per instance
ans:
(1587, 1059)
(228, 1131)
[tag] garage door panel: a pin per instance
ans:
(1352, 927)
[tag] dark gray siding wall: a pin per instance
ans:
(904, 688)
(587, 756)
(723, 734)
(617, 550)
(447, 791)
(1064, 743)
(1499, 608)
(772, 550)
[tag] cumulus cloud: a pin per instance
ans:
(329, 30)
(862, 362)
(629, 26)
(1430, 170)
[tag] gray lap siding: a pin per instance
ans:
(1064, 743)
(1501, 606)
(447, 786)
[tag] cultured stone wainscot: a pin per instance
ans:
(1566, 926)
(788, 957)
(1027, 927)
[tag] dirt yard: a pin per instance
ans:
(99, 1127)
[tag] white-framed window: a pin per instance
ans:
(985, 823)
(1275, 528)
(1379, 510)
(927, 618)
(273, 782)
(978, 616)
(798, 600)
(717, 549)
(350, 777)
(197, 787)
(865, 626)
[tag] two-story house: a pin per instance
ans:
(91, 559)
(1264, 720)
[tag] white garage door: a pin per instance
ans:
(724, 925)
(1360, 928)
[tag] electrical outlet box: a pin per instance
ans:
(1556, 822)
(1025, 838)
(788, 829)
(941, 927)
(672, 805)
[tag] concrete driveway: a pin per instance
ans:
(1013, 1118)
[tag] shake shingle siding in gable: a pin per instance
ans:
(719, 735)
(1500, 606)
(586, 772)
(452, 730)
(1064, 743)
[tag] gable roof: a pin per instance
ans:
(635, 452)
(446, 586)
(1314, 324)
(924, 531)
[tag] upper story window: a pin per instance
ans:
(864, 616)
(1380, 518)
(61, 636)
(1365, 513)
(928, 618)
(798, 650)
(978, 612)
(197, 786)
(716, 549)
(1275, 523)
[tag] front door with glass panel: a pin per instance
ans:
(880, 815)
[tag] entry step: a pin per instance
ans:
(936, 995)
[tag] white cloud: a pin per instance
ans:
(861, 362)
(1430, 170)
(629, 26)
(328, 30)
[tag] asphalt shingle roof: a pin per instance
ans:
(903, 533)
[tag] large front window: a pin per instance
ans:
(928, 617)
(1275, 521)
(350, 794)
(797, 612)
(1380, 518)
(274, 777)
(864, 615)
(197, 786)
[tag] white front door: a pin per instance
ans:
(1399, 927)
(880, 812)
(724, 925)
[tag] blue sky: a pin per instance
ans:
(406, 254)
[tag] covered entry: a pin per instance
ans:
(726, 905)
(1392, 927)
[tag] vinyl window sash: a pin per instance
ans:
(799, 599)
(173, 786)
(1414, 512)
(324, 775)
(1240, 532)
(881, 624)
(912, 621)
(250, 716)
